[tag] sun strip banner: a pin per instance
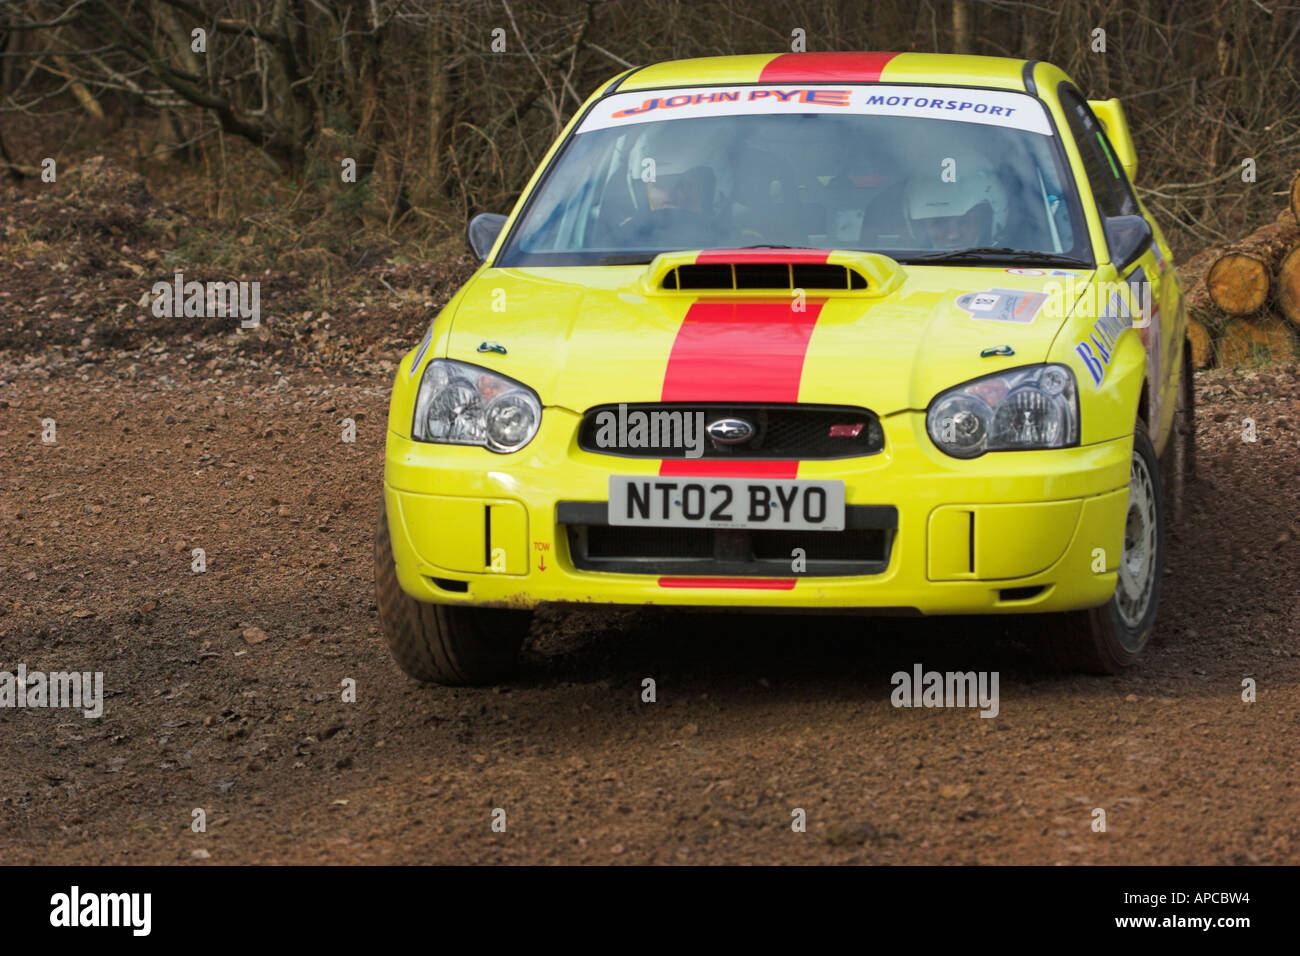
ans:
(988, 107)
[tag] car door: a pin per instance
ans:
(1152, 288)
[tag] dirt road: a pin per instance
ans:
(158, 454)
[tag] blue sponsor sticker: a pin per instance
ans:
(1097, 349)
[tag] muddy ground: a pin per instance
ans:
(230, 442)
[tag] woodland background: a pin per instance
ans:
(246, 138)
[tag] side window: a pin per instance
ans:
(1109, 187)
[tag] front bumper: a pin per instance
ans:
(1008, 532)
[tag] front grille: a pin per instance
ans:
(806, 432)
(609, 542)
(861, 548)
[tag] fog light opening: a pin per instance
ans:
(447, 584)
(1021, 594)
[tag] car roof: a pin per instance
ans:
(935, 69)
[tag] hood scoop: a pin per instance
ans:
(775, 272)
(766, 275)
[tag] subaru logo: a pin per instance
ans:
(730, 431)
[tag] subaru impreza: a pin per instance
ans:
(852, 332)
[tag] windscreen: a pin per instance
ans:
(901, 170)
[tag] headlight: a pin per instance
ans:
(461, 404)
(1033, 407)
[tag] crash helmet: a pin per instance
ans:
(682, 163)
(975, 196)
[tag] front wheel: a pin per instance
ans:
(443, 643)
(1108, 639)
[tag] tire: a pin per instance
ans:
(1109, 639)
(443, 643)
(1178, 464)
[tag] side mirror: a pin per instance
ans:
(1112, 117)
(1128, 237)
(482, 233)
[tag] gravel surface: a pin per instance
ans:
(223, 689)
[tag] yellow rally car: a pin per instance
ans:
(818, 331)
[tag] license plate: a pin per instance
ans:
(726, 503)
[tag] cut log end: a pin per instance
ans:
(1238, 283)
(1253, 342)
(1288, 282)
(1202, 350)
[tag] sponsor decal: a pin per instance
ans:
(986, 107)
(1099, 346)
(1041, 272)
(1003, 305)
(974, 106)
(815, 95)
(419, 355)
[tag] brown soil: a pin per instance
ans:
(172, 438)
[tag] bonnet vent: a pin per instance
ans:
(765, 275)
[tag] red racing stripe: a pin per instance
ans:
(738, 352)
(825, 67)
(766, 584)
(747, 256)
(729, 469)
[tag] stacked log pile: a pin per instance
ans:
(1243, 300)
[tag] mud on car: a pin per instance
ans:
(841, 331)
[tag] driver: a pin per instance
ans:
(673, 164)
(691, 191)
(967, 213)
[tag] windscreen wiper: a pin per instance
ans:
(1001, 254)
